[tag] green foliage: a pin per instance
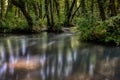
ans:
(86, 26)
(103, 31)
(24, 15)
(14, 25)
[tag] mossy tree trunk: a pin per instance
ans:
(21, 4)
(2, 7)
(57, 5)
(52, 13)
(50, 10)
(40, 9)
(83, 7)
(47, 12)
(118, 5)
(69, 13)
(9, 8)
(112, 8)
(74, 13)
(35, 8)
(101, 9)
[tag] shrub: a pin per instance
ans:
(107, 31)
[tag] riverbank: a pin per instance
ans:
(103, 32)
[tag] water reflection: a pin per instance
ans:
(56, 57)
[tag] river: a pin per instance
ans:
(56, 57)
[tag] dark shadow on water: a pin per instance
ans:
(56, 57)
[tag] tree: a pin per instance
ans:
(101, 9)
(56, 13)
(2, 7)
(47, 12)
(112, 8)
(69, 13)
(21, 4)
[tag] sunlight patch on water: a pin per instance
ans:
(2, 54)
(23, 43)
(91, 69)
(42, 73)
(3, 69)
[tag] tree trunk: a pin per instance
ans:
(47, 12)
(77, 9)
(40, 9)
(57, 8)
(118, 5)
(101, 9)
(9, 8)
(83, 9)
(112, 8)
(51, 27)
(69, 16)
(92, 7)
(28, 17)
(92, 12)
(36, 9)
(67, 6)
(52, 13)
(21, 4)
(2, 9)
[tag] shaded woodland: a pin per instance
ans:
(98, 18)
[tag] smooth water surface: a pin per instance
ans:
(56, 57)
